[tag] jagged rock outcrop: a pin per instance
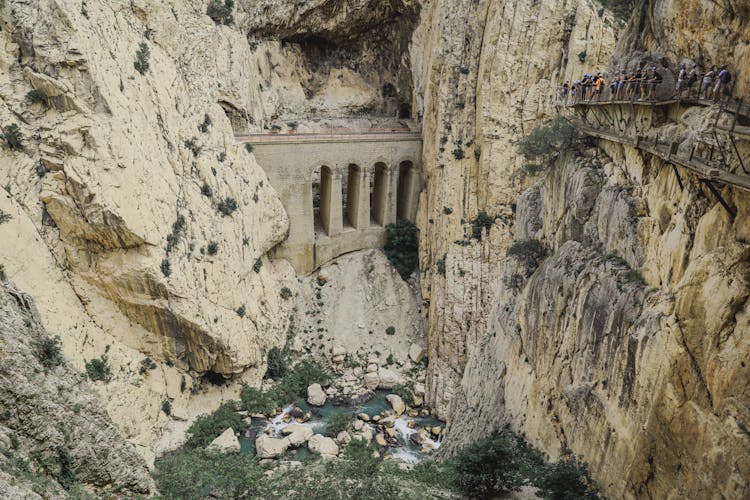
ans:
(50, 419)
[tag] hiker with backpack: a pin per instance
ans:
(708, 78)
(653, 83)
(722, 83)
(681, 81)
(692, 78)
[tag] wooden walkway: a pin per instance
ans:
(705, 170)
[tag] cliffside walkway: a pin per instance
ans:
(340, 188)
(706, 160)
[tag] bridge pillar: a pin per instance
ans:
(358, 201)
(391, 203)
(334, 215)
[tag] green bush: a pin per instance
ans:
(404, 391)
(337, 422)
(166, 268)
(206, 190)
(528, 252)
(549, 140)
(256, 401)
(481, 221)
(146, 365)
(37, 96)
(278, 364)
(206, 428)
(257, 265)
(142, 55)
(227, 206)
(402, 247)
(249, 147)
(241, 311)
(489, 467)
(193, 146)
(458, 154)
(440, 264)
(191, 474)
(3, 277)
(390, 330)
(567, 479)
(49, 351)
(178, 227)
(98, 369)
(212, 248)
(286, 293)
(166, 407)
(221, 13)
(4, 217)
(12, 136)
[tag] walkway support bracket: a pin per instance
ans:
(731, 211)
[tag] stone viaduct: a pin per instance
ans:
(340, 191)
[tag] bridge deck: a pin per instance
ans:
(695, 165)
(330, 137)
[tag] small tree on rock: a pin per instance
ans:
(141, 59)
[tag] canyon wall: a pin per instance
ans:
(626, 344)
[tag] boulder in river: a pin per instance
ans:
(297, 434)
(396, 403)
(315, 395)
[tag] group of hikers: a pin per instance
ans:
(641, 84)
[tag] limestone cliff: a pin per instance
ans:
(627, 344)
(53, 433)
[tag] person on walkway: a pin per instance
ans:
(632, 85)
(565, 91)
(681, 80)
(640, 83)
(722, 83)
(692, 78)
(599, 85)
(621, 84)
(575, 91)
(708, 79)
(654, 82)
(613, 87)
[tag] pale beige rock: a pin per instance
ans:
(322, 445)
(380, 439)
(416, 353)
(371, 380)
(315, 395)
(227, 442)
(296, 434)
(269, 447)
(388, 379)
(398, 405)
(343, 438)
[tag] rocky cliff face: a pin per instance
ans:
(625, 344)
(54, 434)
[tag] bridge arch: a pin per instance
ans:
(408, 181)
(322, 184)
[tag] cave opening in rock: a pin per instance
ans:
(214, 378)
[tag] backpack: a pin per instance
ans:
(727, 77)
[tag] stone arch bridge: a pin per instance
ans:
(340, 191)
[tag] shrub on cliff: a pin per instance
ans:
(98, 369)
(48, 351)
(221, 13)
(402, 247)
(530, 253)
(206, 428)
(12, 136)
(549, 140)
(142, 56)
(481, 221)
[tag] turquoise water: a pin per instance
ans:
(406, 450)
